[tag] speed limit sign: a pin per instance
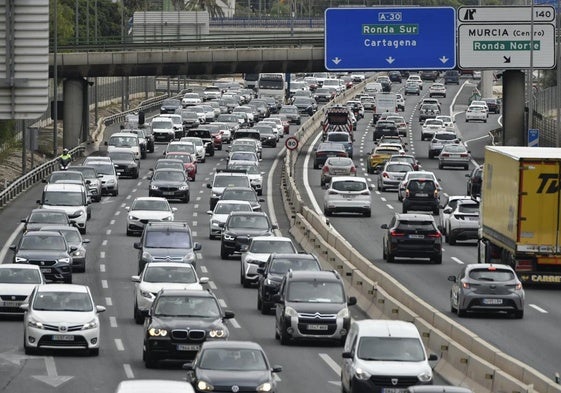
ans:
(291, 143)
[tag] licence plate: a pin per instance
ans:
(66, 337)
(417, 236)
(472, 218)
(393, 390)
(422, 194)
(167, 193)
(45, 270)
(454, 155)
(317, 327)
(11, 304)
(183, 347)
(492, 301)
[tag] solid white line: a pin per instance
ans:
(331, 363)
(119, 344)
(270, 203)
(104, 284)
(128, 371)
(538, 308)
(306, 180)
(113, 322)
(10, 241)
(108, 301)
(457, 260)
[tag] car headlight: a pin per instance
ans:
(110, 181)
(146, 294)
(63, 260)
(218, 333)
(204, 386)
(78, 213)
(361, 374)
(146, 256)
(272, 283)
(154, 187)
(168, 218)
(21, 260)
(265, 387)
(183, 188)
(133, 218)
(344, 313)
(215, 223)
(77, 253)
(155, 332)
(229, 237)
(90, 325)
(425, 376)
(34, 324)
(290, 312)
(189, 257)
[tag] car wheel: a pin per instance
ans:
(452, 308)
(203, 160)
(284, 338)
(223, 253)
(519, 314)
(467, 121)
(150, 361)
(466, 167)
(327, 212)
(461, 312)
(193, 178)
(152, 149)
(83, 230)
(115, 193)
(260, 192)
(143, 155)
(67, 280)
(187, 198)
(138, 317)
(367, 213)
(440, 166)
(384, 254)
(437, 260)
(81, 269)
(435, 211)
(450, 239)
(244, 282)
(129, 233)
(93, 352)
(404, 209)
(431, 154)
(390, 258)
(259, 304)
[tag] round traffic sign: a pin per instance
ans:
(291, 143)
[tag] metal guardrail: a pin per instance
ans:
(36, 175)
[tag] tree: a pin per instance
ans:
(214, 10)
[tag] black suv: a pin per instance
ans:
(166, 242)
(474, 180)
(206, 135)
(240, 227)
(179, 321)
(312, 305)
(412, 236)
(384, 128)
(170, 183)
(272, 271)
(421, 194)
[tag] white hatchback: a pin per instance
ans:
(348, 194)
(17, 280)
(146, 209)
(62, 316)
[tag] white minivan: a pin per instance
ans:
(124, 142)
(384, 355)
(72, 198)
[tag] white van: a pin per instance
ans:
(383, 355)
(154, 386)
(162, 129)
(124, 142)
(72, 198)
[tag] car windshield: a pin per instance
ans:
(104, 169)
(227, 208)
(174, 176)
(392, 349)
(421, 185)
(200, 134)
(240, 195)
(20, 276)
(230, 181)
(338, 137)
(348, 185)
(48, 217)
(468, 208)
(171, 102)
(250, 169)
(183, 157)
(187, 307)
(283, 265)
(159, 124)
(271, 246)
(184, 147)
(169, 164)
(491, 274)
(61, 177)
(248, 222)
(289, 110)
(172, 274)
(88, 173)
(151, 204)
(433, 122)
(43, 242)
(315, 292)
(403, 159)
(339, 161)
(454, 149)
(72, 236)
(121, 156)
(168, 239)
(243, 156)
(62, 301)
(123, 141)
(233, 359)
(58, 198)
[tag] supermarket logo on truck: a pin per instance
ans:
(549, 183)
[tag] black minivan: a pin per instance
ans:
(452, 76)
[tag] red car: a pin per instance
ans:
(217, 139)
(189, 163)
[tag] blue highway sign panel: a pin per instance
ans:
(411, 38)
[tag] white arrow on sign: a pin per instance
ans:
(390, 60)
(336, 60)
(443, 59)
(52, 378)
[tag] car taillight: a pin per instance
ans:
(518, 286)
(463, 155)
(435, 235)
(524, 265)
(353, 169)
(365, 192)
(436, 193)
(465, 285)
(395, 233)
(385, 174)
(445, 154)
(325, 169)
(406, 193)
(341, 154)
(331, 192)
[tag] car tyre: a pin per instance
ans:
(93, 352)
(519, 314)
(437, 260)
(244, 282)
(187, 198)
(450, 239)
(440, 166)
(138, 317)
(461, 312)
(367, 213)
(115, 193)
(404, 209)
(284, 338)
(67, 280)
(390, 258)
(129, 233)
(224, 253)
(431, 154)
(452, 308)
(327, 212)
(28, 350)
(150, 361)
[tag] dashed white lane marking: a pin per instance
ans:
(108, 301)
(139, 183)
(383, 199)
(459, 262)
(112, 222)
(198, 198)
(102, 268)
(119, 344)
(194, 233)
(128, 371)
(113, 322)
(539, 309)
(118, 212)
(222, 303)
(235, 323)
(204, 269)
(389, 206)
(134, 190)
(102, 254)
(212, 285)
(104, 284)
(128, 196)
(194, 223)
(202, 191)
(196, 206)
(108, 232)
(123, 204)
(104, 243)
(195, 214)
(331, 363)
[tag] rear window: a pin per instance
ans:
(446, 137)
(491, 275)
(421, 185)
(398, 349)
(406, 225)
(336, 137)
(283, 265)
(398, 168)
(348, 185)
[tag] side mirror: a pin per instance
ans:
(188, 366)
(197, 246)
(38, 201)
(100, 309)
(44, 181)
(25, 219)
(452, 278)
(274, 226)
(135, 278)
(203, 280)
(261, 200)
(137, 245)
(174, 209)
(24, 306)
(347, 355)
(85, 241)
(261, 270)
(244, 248)
(209, 212)
(229, 314)
(13, 247)
(73, 248)
(433, 357)
(351, 301)
(105, 143)
(384, 226)
(208, 185)
(448, 210)
(276, 369)
(127, 208)
(277, 298)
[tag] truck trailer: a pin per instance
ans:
(521, 211)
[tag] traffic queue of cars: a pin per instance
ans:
(184, 321)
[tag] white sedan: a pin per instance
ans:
(476, 112)
(437, 90)
(62, 316)
(17, 281)
(448, 121)
(162, 275)
(145, 209)
(430, 127)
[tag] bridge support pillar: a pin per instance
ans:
(76, 117)
(513, 108)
